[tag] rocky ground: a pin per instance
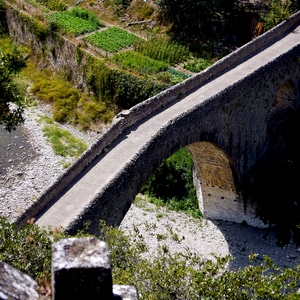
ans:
(28, 166)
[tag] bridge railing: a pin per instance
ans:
(154, 104)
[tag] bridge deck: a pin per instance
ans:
(84, 190)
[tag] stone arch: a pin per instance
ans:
(216, 186)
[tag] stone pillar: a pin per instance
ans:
(81, 269)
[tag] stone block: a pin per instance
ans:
(124, 292)
(81, 269)
(15, 285)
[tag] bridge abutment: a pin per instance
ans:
(217, 188)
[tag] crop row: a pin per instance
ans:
(112, 39)
(77, 21)
(163, 50)
(140, 63)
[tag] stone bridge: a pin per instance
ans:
(229, 116)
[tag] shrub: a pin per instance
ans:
(28, 249)
(167, 276)
(197, 64)
(279, 10)
(69, 104)
(90, 111)
(117, 88)
(53, 4)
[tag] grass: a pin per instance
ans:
(63, 142)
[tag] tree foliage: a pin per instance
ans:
(3, 24)
(279, 10)
(188, 15)
(10, 64)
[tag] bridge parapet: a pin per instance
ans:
(126, 119)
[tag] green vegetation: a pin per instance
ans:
(163, 50)
(167, 276)
(197, 64)
(139, 63)
(278, 11)
(172, 184)
(11, 62)
(76, 21)
(62, 141)
(3, 24)
(177, 76)
(57, 91)
(117, 88)
(28, 249)
(119, 6)
(112, 39)
(68, 104)
(53, 4)
(141, 10)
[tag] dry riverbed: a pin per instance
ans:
(28, 166)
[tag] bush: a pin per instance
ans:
(279, 10)
(90, 111)
(68, 103)
(197, 65)
(117, 88)
(167, 276)
(28, 249)
(3, 24)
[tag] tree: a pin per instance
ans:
(10, 64)
(278, 11)
(189, 15)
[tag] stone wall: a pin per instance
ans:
(66, 52)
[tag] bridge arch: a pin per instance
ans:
(216, 183)
(231, 109)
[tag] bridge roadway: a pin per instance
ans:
(63, 211)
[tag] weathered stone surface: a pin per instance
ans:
(81, 269)
(124, 292)
(16, 285)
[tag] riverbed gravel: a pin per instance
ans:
(28, 166)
